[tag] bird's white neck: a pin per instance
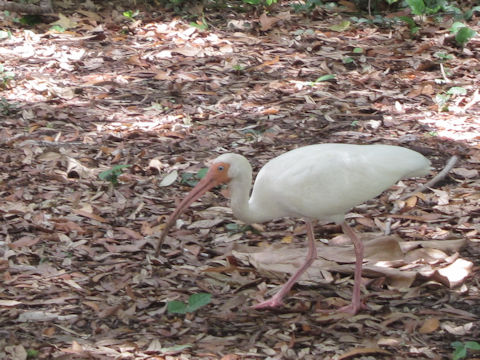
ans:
(240, 175)
(240, 192)
(240, 187)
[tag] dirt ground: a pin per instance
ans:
(79, 279)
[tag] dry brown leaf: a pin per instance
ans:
(16, 352)
(383, 255)
(90, 14)
(455, 273)
(443, 196)
(50, 156)
(239, 24)
(411, 201)
(363, 351)
(155, 346)
(187, 76)
(25, 241)
(280, 258)
(132, 233)
(135, 247)
(90, 215)
(189, 50)
(64, 22)
(76, 347)
(395, 278)
(15, 208)
(49, 331)
(368, 222)
(68, 226)
(429, 326)
(92, 304)
(41, 316)
(383, 248)
(425, 255)
(73, 284)
(267, 22)
(460, 330)
(163, 75)
(230, 357)
(284, 15)
(444, 245)
(350, 5)
(75, 169)
(156, 164)
(465, 173)
(206, 224)
(270, 111)
(169, 179)
(136, 60)
(388, 342)
(428, 90)
(9, 303)
(193, 249)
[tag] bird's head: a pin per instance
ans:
(228, 167)
(222, 170)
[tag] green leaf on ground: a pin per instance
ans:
(417, 6)
(344, 25)
(464, 35)
(195, 302)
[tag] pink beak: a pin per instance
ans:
(208, 182)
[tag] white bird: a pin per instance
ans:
(316, 182)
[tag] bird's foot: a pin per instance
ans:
(268, 304)
(352, 309)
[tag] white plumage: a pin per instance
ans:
(316, 182)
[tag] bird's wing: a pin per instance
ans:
(325, 181)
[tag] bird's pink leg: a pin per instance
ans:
(356, 304)
(276, 300)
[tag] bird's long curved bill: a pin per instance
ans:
(201, 188)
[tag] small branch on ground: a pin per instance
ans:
(45, 7)
(440, 176)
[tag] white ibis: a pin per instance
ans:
(316, 182)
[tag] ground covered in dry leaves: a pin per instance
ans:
(78, 275)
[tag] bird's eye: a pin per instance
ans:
(220, 168)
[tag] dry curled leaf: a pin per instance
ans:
(430, 325)
(169, 179)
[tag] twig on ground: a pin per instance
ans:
(440, 176)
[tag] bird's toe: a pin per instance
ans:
(268, 304)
